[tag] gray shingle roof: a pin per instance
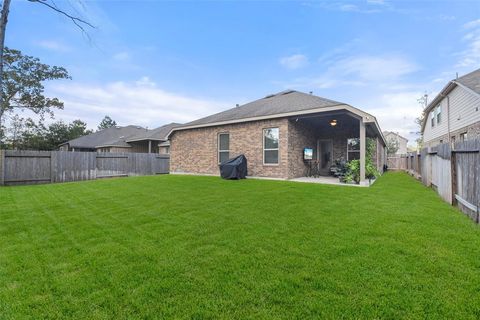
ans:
(282, 102)
(471, 80)
(114, 136)
(159, 133)
(119, 136)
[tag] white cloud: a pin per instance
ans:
(379, 2)
(470, 57)
(472, 24)
(54, 45)
(121, 56)
(295, 61)
(359, 71)
(348, 7)
(397, 112)
(141, 103)
(375, 68)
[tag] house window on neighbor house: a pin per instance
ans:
(463, 136)
(271, 137)
(353, 149)
(223, 147)
(433, 118)
(439, 114)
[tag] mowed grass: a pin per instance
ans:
(201, 247)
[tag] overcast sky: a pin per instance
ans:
(153, 62)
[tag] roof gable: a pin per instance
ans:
(471, 81)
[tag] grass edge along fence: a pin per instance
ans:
(452, 169)
(18, 167)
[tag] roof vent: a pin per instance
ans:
(287, 92)
(269, 96)
(237, 105)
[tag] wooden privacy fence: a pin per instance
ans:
(31, 167)
(453, 170)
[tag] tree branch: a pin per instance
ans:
(76, 20)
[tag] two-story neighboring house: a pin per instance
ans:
(454, 114)
(401, 141)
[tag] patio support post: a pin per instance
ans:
(363, 142)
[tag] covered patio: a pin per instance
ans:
(328, 138)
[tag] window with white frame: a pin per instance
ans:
(463, 136)
(432, 120)
(439, 114)
(353, 149)
(270, 145)
(223, 147)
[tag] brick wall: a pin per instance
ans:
(473, 132)
(300, 135)
(195, 150)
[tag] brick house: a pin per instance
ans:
(123, 139)
(273, 133)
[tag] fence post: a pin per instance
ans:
(2, 167)
(453, 173)
(52, 167)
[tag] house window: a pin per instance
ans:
(270, 145)
(433, 118)
(452, 139)
(353, 149)
(439, 114)
(463, 136)
(223, 147)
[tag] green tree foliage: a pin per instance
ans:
(107, 122)
(37, 136)
(353, 167)
(23, 85)
(392, 146)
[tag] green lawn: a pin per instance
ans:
(201, 247)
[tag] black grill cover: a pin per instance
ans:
(235, 168)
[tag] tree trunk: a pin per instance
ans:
(3, 27)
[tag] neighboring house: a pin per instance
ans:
(273, 132)
(123, 139)
(402, 142)
(454, 114)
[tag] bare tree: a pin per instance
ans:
(79, 22)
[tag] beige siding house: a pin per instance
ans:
(454, 114)
(274, 133)
(402, 141)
